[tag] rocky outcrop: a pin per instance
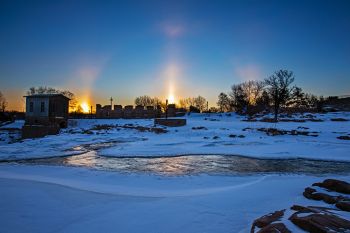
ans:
(312, 219)
(275, 228)
(266, 223)
(311, 193)
(335, 185)
(268, 218)
(343, 205)
(319, 220)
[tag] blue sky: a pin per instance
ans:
(100, 49)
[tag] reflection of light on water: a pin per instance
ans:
(198, 164)
(78, 148)
(88, 159)
(172, 165)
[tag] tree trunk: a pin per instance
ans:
(276, 112)
(277, 104)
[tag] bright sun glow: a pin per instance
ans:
(171, 99)
(85, 107)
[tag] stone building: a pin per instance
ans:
(45, 114)
(47, 109)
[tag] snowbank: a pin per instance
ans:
(61, 199)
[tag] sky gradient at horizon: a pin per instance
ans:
(99, 49)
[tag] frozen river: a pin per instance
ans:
(197, 164)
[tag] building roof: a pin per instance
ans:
(46, 96)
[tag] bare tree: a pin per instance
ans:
(245, 95)
(73, 101)
(3, 102)
(279, 88)
(298, 98)
(42, 90)
(311, 100)
(263, 101)
(224, 102)
(146, 100)
(238, 98)
(200, 103)
(187, 103)
(252, 90)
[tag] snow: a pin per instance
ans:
(43, 198)
(11, 132)
(185, 140)
(63, 199)
(14, 125)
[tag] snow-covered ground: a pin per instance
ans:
(213, 139)
(42, 198)
(62, 199)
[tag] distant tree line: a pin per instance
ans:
(146, 100)
(274, 93)
(193, 104)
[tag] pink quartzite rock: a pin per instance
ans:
(267, 219)
(335, 185)
(318, 220)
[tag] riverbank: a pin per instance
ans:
(64, 199)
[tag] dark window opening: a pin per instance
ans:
(42, 107)
(31, 107)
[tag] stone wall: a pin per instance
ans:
(171, 122)
(129, 112)
(37, 131)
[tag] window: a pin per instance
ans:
(42, 107)
(31, 107)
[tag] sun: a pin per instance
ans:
(85, 107)
(171, 99)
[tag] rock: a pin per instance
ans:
(308, 192)
(275, 228)
(311, 193)
(267, 219)
(335, 185)
(199, 128)
(321, 222)
(344, 137)
(339, 119)
(311, 209)
(312, 219)
(343, 205)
